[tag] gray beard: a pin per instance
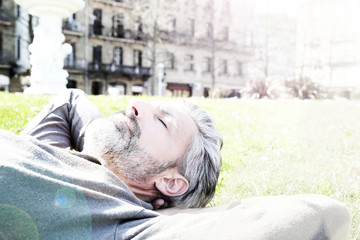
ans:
(120, 149)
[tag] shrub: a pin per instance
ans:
(260, 88)
(304, 87)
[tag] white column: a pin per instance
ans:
(47, 50)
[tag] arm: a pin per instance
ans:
(305, 217)
(62, 123)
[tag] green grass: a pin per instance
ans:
(270, 147)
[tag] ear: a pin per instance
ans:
(172, 187)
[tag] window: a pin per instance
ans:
(239, 68)
(189, 59)
(224, 67)
(140, 34)
(172, 24)
(207, 64)
(18, 10)
(210, 4)
(170, 61)
(97, 28)
(209, 30)
(118, 26)
(137, 58)
(191, 27)
(118, 56)
(248, 38)
(96, 88)
(97, 55)
(71, 84)
(226, 34)
(226, 7)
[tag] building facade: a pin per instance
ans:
(328, 42)
(274, 46)
(169, 47)
(9, 50)
(108, 48)
(200, 47)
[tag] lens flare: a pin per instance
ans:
(64, 198)
(15, 223)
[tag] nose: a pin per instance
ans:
(139, 108)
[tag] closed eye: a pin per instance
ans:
(163, 123)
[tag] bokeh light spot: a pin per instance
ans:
(16, 224)
(64, 198)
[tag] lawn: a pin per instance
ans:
(270, 147)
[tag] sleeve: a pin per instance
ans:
(270, 217)
(63, 121)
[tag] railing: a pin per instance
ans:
(76, 63)
(119, 32)
(184, 38)
(73, 25)
(119, 69)
(129, 4)
(179, 38)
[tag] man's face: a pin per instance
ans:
(143, 141)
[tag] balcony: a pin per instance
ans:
(118, 3)
(117, 33)
(177, 37)
(118, 70)
(187, 39)
(74, 64)
(73, 25)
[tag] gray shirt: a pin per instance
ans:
(50, 191)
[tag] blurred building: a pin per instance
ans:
(9, 43)
(108, 48)
(202, 45)
(328, 44)
(274, 46)
(169, 47)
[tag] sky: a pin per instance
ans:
(278, 6)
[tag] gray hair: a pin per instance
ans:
(201, 163)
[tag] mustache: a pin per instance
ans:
(135, 128)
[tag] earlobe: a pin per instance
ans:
(172, 187)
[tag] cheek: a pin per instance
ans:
(160, 146)
(151, 141)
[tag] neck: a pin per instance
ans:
(143, 190)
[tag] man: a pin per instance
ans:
(171, 151)
(75, 174)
